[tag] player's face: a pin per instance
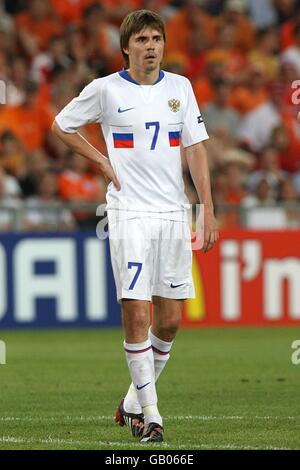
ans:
(145, 50)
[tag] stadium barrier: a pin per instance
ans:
(268, 216)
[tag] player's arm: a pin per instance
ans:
(196, 157)
(79, 144)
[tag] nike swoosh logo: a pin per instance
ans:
(177, 285)
(124, 110)
(142, 386)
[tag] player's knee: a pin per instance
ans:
(139, 319)
(168, 330)
(136, 322)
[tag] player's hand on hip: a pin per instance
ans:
(211, 232)
(109, 175)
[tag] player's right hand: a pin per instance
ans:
(109, 174)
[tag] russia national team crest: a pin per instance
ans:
(174, 105)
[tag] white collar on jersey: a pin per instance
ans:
(124, 74)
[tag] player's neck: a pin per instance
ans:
(142, 77)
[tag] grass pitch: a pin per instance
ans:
(222, 389)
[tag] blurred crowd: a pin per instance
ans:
(243, 58)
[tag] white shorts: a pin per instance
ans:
(151, 257)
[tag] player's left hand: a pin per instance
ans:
(211, 232)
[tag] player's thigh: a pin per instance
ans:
(130, 250)
(174, 263)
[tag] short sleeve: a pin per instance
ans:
(193, 130)
(83, 109)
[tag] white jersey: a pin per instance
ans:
(143, 126)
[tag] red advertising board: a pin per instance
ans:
(249, 278)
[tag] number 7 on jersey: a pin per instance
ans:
(154, 124)
(132, 264)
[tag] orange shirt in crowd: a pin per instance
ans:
(204, 92)
(234, 60)
(178, 30)
(114, 4)
(30, 125)
(70, 11)
(75, 187)
(243, 33)
(41, 30)
(243, 99)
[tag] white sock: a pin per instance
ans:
(161, 355)
(151, 415)
(131, 402)
(141, 367)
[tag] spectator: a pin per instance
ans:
(257, 125)
(287, 75)
(242, 28)
(29, 122)
(16, 84)
(291, 158)
(191, 16)
(261, 210)
(269, 170)
(36, 25)
(219, 187)
(233, 193)
(77, 184)
(204, 87)
(70, 11)
(280, 141)
(102, 38)
(245, 98)
(198, 44)
(228, 188)
(288, 192)
(218, 114)
(176, 62)
(262, 13)
(36, 164)
(8, 205)
(45, 62)
(226, 50)
(44, 211)
(289, 196)
(288, 16)
(292, 53)
(234, 173)
(265, 53)
(12, 155)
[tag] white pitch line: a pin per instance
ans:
(171, 418)
(126, 445)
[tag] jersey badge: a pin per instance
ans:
(174, 105)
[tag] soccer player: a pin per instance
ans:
(146, 115)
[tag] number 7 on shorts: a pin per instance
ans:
(132, 264)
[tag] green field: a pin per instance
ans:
(222, 389)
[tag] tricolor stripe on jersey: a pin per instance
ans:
(123, 140)
(174, 138)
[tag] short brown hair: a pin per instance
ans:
(135, 22)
